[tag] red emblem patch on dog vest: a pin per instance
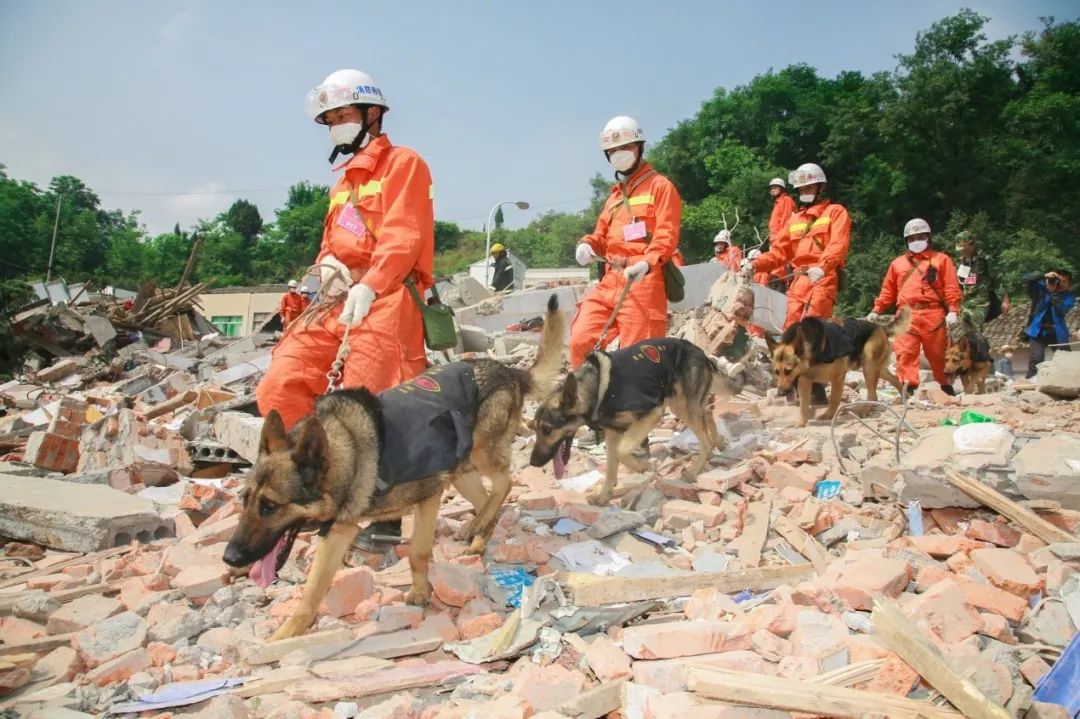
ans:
(426, 383)
(651, 352)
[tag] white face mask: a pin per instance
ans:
(807, 199)
(345, 133)
(623, 160)
(918, 246)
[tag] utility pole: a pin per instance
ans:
(52, 249)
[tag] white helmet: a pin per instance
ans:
(916, 227)
(777, 182)
(292, 283)
(722, 236)
(808, 174)
(341, 89)
(619, 131)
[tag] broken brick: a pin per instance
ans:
(607, 661)
(943, 609)
(1007, 570)
(453, 584)
(679, 513)
(684, 639)
(995, 533)
(348, 589)
(861, 580)
(200, 582)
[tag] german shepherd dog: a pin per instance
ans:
(969, 357)
(817, 350)
(325, 474)
(624, 393)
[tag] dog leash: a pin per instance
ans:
(614, 314)
(323, 303)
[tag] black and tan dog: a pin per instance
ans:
(969, 358)
(374, 457)
(817, 351)
(624, 393)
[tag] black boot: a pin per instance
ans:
(948, 389)
(909, 390)
(817, 395)
(379, 537)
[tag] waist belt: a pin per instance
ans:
(925, 306)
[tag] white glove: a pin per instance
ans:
(753, 254)
(815, 274)
(873, 317)
(357, 304)
(951, 319)
(637, 270)
(584, 254)
(327, 274)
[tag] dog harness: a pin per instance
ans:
(844, 338)
(642, 376)
(428, 424)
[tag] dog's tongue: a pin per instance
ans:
(264, 571)
(559, 462)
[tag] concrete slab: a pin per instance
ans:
(76, 517)
(499, 312)
(770, 306)
(1060, 377)
(1043, 469)
(239, 432)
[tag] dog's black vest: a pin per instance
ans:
(844, 339)
(642, 375)
(427, 424)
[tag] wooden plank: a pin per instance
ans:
(594, 703)
(274, 651)
(55, 568)
(45, 644)
(750, 542)
(1009, 509)
(276, 681)
(899, 634)
(345, 668)
(64, 596)
(760, 690)
(592, 591)
(803, 542)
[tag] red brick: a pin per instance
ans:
(721, 480)
(684, 639)
(400, 616)
(679, 513)
(944, 546)
(996, 533)
(549, 687)
(585, 514)
(12, 679)
(608, 662)
(677, 489)
(348, 588)
(1033, 669)
(817, 633)
(1007, 570)
(996, 626)
(782, 474)
(510, 554)
(50, 582)
(477, 618)
(945, 612)
(537, 501)
(710, 603)
(61, 663)
(894, 677)
(119, 669)
(52, 451)
(200, 582)
(860, 580)
(990, 598)
(1028, 543)
(14, 630)
(160, 653)
(453, 584)
(183, 525)
(770, 646)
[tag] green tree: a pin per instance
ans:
(243, 217)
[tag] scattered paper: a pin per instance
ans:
(582, 482)
(178, 695)
(566, 526)
(591, 557)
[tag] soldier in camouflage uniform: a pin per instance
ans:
(982, 298)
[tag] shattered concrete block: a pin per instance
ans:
(1060, 376)
(76, 517)
(82, 613)
(119, 669)
(473, 338)
(239, 432)
(1042, 471)
(110, 639)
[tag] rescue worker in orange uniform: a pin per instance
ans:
(783, 209)
(292, 304)
(815, 242)
(378, 232)
(727, 254)
(636, 233)
(924, 280)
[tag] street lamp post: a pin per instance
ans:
(487, 245)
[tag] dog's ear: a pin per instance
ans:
(964, 344)
(569, 392)
(273, 436)
(771, 342)
(310, 449)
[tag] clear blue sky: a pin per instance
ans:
(505, 99)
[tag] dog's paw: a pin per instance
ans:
(688, 476)
(418, 596)
(294, 626)
(598, 497)
(466, 531)
(478, 547)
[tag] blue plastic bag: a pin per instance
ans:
(515, 580)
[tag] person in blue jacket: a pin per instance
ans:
(1051, 300)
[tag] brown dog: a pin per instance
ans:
(970, 359)
(374, 457)
(824, 350)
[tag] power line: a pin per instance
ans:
(196, 192)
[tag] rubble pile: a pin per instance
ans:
(807, 572)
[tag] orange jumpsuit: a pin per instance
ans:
(381, 225)
(782, 210)
(730, 258)
(907, 284)
(646, 197)
(816, 236)
(292, 304)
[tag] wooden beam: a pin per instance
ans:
(592, 591)
(1009, 509)
(274, 651)
(802, 542)
(760, 690)
(45, 644)
(899, 634)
